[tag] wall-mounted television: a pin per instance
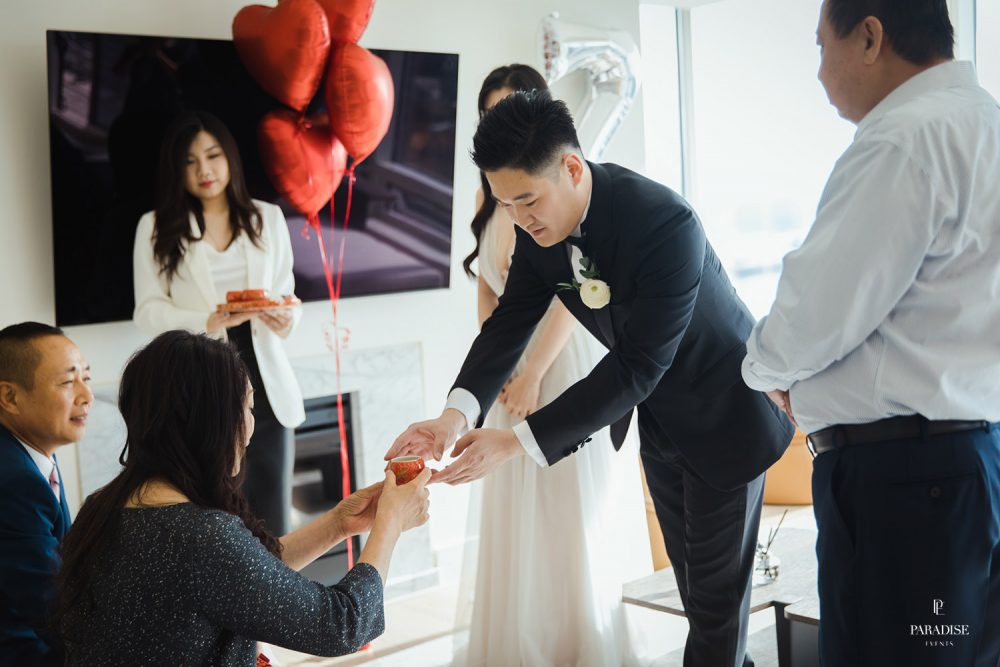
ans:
(111, 98)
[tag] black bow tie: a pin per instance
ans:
(575, 240)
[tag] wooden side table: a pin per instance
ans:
(796, 582)
(803, 632)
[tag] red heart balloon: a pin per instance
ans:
(359, 97)
(303, 159)
(284, 48)
(348, 18)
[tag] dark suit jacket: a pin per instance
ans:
(675, 330)
(32, 523)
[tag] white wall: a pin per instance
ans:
(485, 34)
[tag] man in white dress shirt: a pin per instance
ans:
(44, 400)
(884, 345)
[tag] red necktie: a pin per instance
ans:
(54, 482)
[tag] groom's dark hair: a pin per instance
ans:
(526, 130)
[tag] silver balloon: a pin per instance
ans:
(604, 64)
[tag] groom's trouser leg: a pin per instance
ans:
(711, 538)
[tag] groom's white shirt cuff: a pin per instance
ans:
(463, 401)
(531, 448)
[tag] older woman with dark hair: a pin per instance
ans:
(166, 564)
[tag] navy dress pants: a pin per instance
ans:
(909, 551)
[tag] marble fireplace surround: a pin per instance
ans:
(386, 385)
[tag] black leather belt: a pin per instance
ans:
(894, 428)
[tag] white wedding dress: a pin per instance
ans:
(555, 543)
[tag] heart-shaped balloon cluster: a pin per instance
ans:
(291, 50)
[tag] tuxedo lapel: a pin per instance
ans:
(604, 323)
(565, 272)
(600, 242)
(600, 245)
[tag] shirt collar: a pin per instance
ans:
(44, 463)
(578, 230)
(951, 74)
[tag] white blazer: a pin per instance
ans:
(187, 301)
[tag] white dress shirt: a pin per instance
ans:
(229, 268)
(892, 304)
(44, 463)
(462, 399)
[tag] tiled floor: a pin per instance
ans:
(420, 628)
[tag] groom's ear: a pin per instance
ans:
(573, 163)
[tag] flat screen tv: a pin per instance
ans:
(111, 98)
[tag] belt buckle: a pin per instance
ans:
(810, 446)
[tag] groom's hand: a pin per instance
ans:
(479, 453)
(428, 439)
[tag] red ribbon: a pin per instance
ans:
(333, 289)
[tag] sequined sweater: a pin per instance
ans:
(187, 586)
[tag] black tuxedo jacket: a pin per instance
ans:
(675, 330)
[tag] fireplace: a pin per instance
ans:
(317, 484)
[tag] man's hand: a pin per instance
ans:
(479, 453)
(428, 439)
(784, 402)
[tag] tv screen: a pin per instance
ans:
(111, 98)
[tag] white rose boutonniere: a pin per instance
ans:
(594, 292)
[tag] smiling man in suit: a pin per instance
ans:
(44, 400)
(652, 290)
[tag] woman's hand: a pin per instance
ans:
(404, 506)
(399, 509)
(277, 321)
(219, 321)
(356, 513)
(520, 395)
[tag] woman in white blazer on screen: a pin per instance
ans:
(206, 237)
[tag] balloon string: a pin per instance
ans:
(336, 298)
(342, 425)
(345, 470)
(351, 178)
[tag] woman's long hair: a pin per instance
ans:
(516, 77)
(183, 399)
(175, 204)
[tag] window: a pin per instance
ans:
(661, 94)
(761, 136)
(987, 38)
(764, 135)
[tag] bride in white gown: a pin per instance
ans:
(555, 543)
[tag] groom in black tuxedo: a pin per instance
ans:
(652, 290)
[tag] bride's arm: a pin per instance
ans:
(520, 395)
(487, 301)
